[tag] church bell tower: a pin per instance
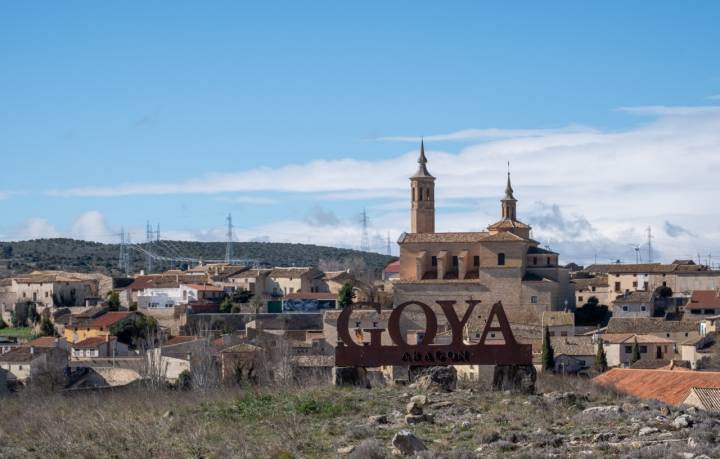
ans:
(422, 188)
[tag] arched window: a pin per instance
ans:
(501, 259)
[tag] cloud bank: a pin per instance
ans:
(588, 192)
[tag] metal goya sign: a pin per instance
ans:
(373, 354)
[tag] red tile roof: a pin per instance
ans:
(393, 267)
(92, 343)
(704, 299)
(669, 386)
(205, 288)
(44, 341)
(629, 338)
(108, 319)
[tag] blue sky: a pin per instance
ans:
(296, 116)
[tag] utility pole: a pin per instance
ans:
(364, 240)
(157, 233)
(389, 248)
(650, 254)
(124, 258)
(229, 246)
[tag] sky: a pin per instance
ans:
(294, 117)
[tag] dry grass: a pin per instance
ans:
(309, 422)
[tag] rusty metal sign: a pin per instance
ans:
(510, 352)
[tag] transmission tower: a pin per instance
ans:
(149, 237)
(389, 248)
(364, 240)
(649, 235)
(157, 233)
(124, 258)
(229, 246)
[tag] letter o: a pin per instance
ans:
(430, 323)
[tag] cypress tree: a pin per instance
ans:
(548, 354)
(345, 296)
(601, 358)
(635, 352)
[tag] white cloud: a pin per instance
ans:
(664, 110)
(589, 191)
(91, 226)
(35, 228)
(252, 200)
(493, 133)
(714, 97)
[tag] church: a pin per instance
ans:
(501, 264)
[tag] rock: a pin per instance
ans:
(607, 409)
(346, 449)
(702, 456)
(686, 455)
(415, 418)
(664, 410)
(419, 400)
(692, 443)
(661, 418)
(647, 431)
(682, 422)
(555, 396)
(643, 406)
(378, 419)
(438, 378)
(515, 378)
(407, 443)
(505, 401)
(413, 408)
(602, 437)
(443, 404)
(168, 414)
(628, 407)
(465, 424)
(350, 376)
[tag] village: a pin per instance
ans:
(646, 330)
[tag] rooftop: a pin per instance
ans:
(709, 397)
(291, 272)
(649, 325)
(704, 299)
(92, 343)
(669, 386)
(557, 318)
(629, 338)
(108, 319)
(635, 297)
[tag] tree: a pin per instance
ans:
(345, 295)
(226, 305)
(601, 358)
(47, 328)
(241, 296)
(635, 352)
(134, 329)
(113, 301)
(184, 380)
(548, 354)
(2, 324)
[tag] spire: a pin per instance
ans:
(508, 187)
(422, 161)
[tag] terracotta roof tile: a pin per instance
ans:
(704, 299)
(649, 325)
(92, 343)
(669, 386)
(629, 338)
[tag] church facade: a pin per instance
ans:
(501, 264)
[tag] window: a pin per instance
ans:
(501, 259)
(534, 260)
(563, 333)
(668, 334)
(46, 294)
(433, 261)
(357, 324)
(709, 311)
(628, 349)
(643, 349)
(476, 260)
(643, 308)
(375, 324)
(549, 261)
(695, 311)
(625, 308)
(592, 288)
(617, 286)
(635, 284)
(291, 289)
(455, 261)
(664, 283)
(533, 299)
(685, 334)
(580, 299)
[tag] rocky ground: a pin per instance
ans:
(566, 418)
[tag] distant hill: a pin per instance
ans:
(84, 256)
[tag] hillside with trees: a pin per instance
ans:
(85, 256)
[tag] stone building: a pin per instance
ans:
(501, 264)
